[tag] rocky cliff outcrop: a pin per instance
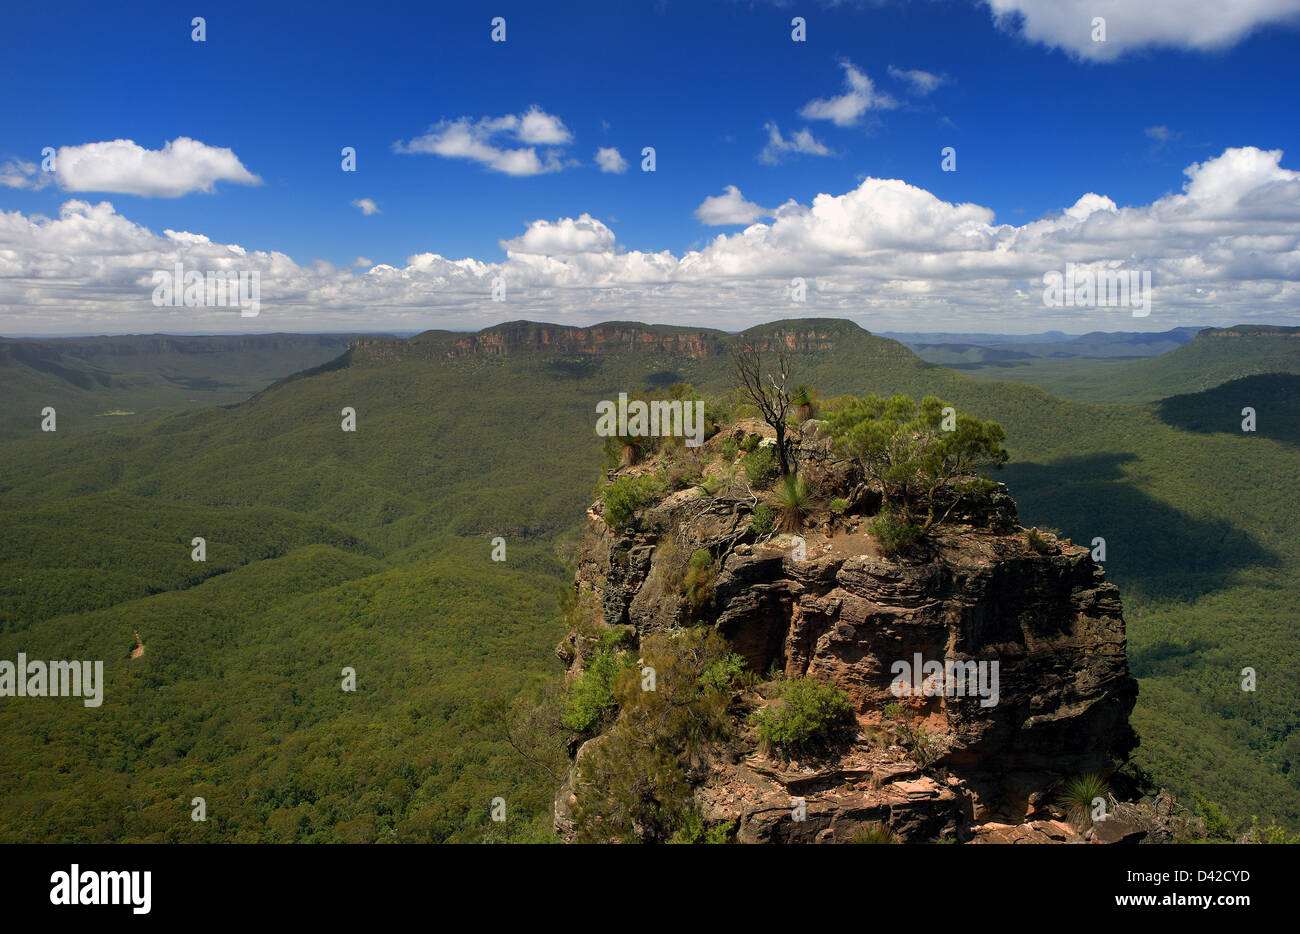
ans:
(962, 758)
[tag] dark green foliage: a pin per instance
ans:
(699, 578)
(760, 465)
(761, 520)
(591, 695)
(1218, 826)
(639, 765)
(1270, 833)
(807, 715)
(631, 449)
(893, 530)
(692, 828)
(237, 699)
(109, 383)
(921, 466)
(625, 495)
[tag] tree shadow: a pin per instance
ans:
(1166, 658)
(1151, 547)
(663, 379)
(1273, 396)
(576, 368)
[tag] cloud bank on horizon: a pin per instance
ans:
(885, 254)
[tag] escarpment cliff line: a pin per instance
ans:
(611, 337)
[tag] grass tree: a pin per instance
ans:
(791, 500)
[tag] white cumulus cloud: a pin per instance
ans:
(611, 160)
(922, 82)
(182, 166)
(563, 237)
(488, 140)
(847, 109)
(18, 173)
(366, 206)
(730, 207)
(1198, 25)
(778, 146)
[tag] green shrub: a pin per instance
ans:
(808, 715)
(636, 771)
(1218, 826)
(722, 673)
(729, 451)
(761, 520)
(761, 465)
(685, 469)
(750, 442)
(591, 694)
(894, 533)
(699, 578)
(694, 829)
(626, 495)
(919, 745)
(839, 504)
(1038, 542)
(1271, 833)
(893, 711)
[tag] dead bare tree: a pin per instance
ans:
(770, 392)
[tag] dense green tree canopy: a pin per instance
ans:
(922, 456)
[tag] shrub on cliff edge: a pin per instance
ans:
(808, 715)
(626, 495)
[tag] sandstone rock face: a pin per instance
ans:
(518, 337)
(834, 608)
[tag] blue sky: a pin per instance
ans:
(1037, 115)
